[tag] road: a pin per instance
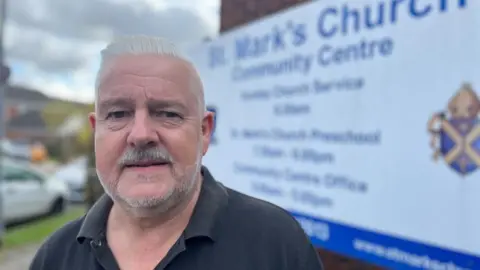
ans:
(18, 259)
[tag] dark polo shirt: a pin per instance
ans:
(227, 231)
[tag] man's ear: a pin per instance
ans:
(92, 118)
(207, 130)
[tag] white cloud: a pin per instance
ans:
(208, 9)
(53, 45)
(76, 86)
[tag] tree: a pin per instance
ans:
(55, 115)
(57, 111)
(85, 134)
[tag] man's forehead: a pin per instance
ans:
(149, 65)
(126, 101)
(131, 82)
(142, 77)
(146, 71)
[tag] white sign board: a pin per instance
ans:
(361, 119)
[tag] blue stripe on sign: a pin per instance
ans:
(381, 249)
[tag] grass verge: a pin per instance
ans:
(38, 231)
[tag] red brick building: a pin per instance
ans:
(238, 12)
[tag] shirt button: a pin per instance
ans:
(95, 243)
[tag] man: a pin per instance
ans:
(162, 209)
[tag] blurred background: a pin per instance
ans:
(48, 65)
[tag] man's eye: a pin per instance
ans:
(168, 114)
(117, 114)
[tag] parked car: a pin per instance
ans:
(25, 151)
(28, 193)
(16, 150)
(74, 174)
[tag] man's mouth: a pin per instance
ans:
(143, 164)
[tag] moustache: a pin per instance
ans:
(145, 157)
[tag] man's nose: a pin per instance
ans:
(142, 133)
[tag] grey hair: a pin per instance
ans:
(141, 45)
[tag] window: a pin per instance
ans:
(12, 174)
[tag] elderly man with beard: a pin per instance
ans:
(163, 209)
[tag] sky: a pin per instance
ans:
(53, 45)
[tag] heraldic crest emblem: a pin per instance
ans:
(455, 134)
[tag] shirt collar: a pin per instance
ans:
(211, 203)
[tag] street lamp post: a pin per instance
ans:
(3, 79)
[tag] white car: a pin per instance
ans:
(74, 174)
(15, 150)
(28, 193)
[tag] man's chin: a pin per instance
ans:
(145, 207)
(142, 202)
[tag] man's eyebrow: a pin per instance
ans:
(113, 102)
(155, 103)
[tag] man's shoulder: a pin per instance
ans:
(261, 214)
(265, 228)
(66, 234)
(57, 245)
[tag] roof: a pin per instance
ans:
(23, 93)
(30, 120)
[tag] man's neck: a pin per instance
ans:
(155, 228)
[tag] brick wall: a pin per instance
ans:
(238, 12)
(234, 13)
